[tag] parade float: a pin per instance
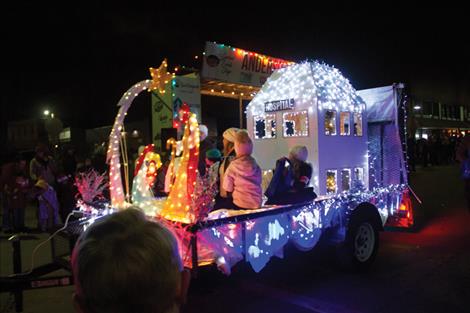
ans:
(355, 144)
(357, 147)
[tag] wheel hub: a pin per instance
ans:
(364, 242)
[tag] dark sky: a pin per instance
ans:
(77, 59)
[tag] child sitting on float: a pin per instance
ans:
(243, 176)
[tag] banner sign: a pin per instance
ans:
(165, 106)
(162, 115)
(187, 89)
(233, 65)
(279, 105)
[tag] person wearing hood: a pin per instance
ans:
(48, 205)
(243, 176)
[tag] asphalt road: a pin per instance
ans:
(426, 269)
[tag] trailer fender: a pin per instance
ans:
(366, 209)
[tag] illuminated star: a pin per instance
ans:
(160, 77)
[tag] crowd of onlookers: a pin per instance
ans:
(45, 180)
(436, 149)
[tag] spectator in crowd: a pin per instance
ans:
(69, 162)
(423, 151)
(15, 182)
(43, 166)
(125, 263)
(48, 205)
(66, 191)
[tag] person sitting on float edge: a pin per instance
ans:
(291, 179)
(205, 145)
(243, 176)
(126, 263)
(212, 157)
(222, 196)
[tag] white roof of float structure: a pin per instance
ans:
(306, 81)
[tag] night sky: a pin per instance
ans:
(78, 58)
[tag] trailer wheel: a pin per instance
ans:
(360, 248)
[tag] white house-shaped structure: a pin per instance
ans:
(312, 104)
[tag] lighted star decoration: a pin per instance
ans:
(160, 77)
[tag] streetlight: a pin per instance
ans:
(46, 112)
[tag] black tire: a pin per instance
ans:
(361, 245)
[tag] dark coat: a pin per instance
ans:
(204, 146)
(287, 185)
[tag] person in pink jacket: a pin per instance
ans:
(243, 176)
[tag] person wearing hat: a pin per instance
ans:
(48, 205)
(205, 144)
(291, 179)
(212, 156)
(43, 165)
(243, 176)
(228, 155)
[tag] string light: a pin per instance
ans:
(331, 184)
(160, 77)
(182, 189)
(308, 83)
(277, 63)
(113, 155)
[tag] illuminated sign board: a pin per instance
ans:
(279, 105)
(233, 65)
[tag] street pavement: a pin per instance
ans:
(425, 269)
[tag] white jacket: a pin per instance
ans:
(243, 179)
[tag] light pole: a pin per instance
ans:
(53, 127)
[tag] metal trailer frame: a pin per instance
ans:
(38, 277)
